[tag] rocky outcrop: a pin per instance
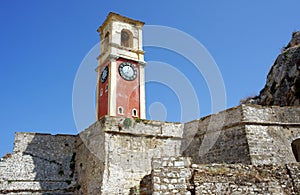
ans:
(295, 40)
(283, 81)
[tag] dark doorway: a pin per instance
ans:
(296, 149)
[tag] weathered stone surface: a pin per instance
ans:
(120, 152)
(125, 156)
(224, 178)
(90, 160)
(249, 134)
(295, 40)
(170, 179)
(282, 87)
(40, 163)
(246, 179)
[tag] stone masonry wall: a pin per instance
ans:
(270, 132)
(113, 156)
(248, 134)
(90, 159)
(40, 163)
(246, 179)
(121, 152)
(171, 175)
(219, 138)
(176, 175)
(270, 144)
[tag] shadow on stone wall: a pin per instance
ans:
(90, 159)
(296, 149)
(53, 163)
(145, 187)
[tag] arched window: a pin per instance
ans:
(126, 38)
(107, 35)
(296, 149)
(134, 112)
(120, 110)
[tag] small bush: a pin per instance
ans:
(127, 123)
(138, 120)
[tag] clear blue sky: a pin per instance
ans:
(42, 44)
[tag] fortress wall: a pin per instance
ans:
(225, 146)
(215, 122)
(128, 146)
(170, 175)
(115, 152)
(90, 159)
(177, 175)
(270, 132)
(222, 120)
(113, 156)
(248, 134)
(218, 138)
(271, 144)
(142, 127)
(129, 159)
(39, 163)
(271, 115)
(246, 179)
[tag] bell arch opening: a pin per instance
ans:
(126, 38)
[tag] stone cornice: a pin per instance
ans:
(118, 17)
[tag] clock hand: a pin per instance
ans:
(127, 69)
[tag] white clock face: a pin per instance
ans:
(128, 71)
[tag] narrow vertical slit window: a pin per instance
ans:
(120, 110)
(134, 112)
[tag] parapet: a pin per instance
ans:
(139, 127)
(249, 134)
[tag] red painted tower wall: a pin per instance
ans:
(128, 92)
(103, 94)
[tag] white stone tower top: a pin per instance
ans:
(110, 35)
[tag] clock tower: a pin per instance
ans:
(121, 78)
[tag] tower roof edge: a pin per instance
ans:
(115, 16)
